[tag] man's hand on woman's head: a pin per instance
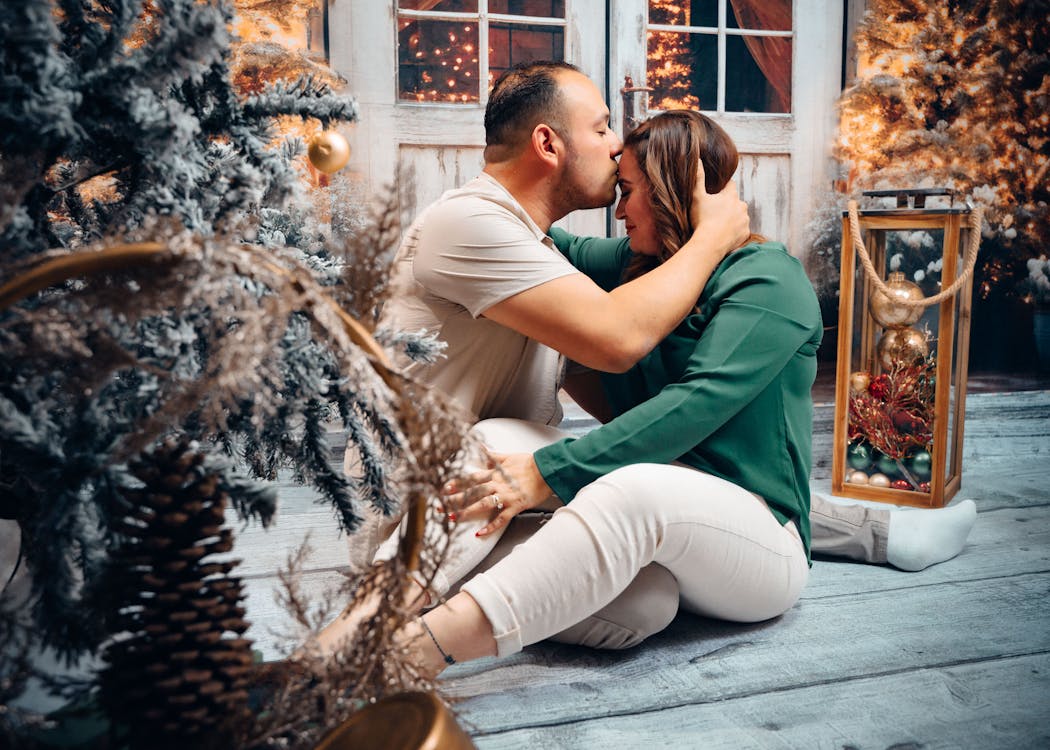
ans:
(512, 484)
(722, 216)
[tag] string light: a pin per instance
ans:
(670, 67)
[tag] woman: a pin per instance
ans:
(722, 530)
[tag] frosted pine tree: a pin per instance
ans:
(198, 308)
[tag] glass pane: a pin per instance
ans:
(758, 74)
(510, 44)
(447, 6)
(760, 15)
(682, 70)
(535, 8)
(438, 61)
(678, 13)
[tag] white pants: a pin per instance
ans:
(614, 565)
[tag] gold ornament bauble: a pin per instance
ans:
(879, 480)
(901, 345)
(329, 152)
(887, 310)
(859, 381)
(857, 477)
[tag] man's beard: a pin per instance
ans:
(578, 192)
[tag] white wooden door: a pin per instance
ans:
(698, 54)
(415, 68)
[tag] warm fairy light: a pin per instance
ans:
(669, 68)
(441, 48)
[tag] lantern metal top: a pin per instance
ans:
(911, 201)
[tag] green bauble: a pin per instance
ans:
(887, 465)
(858, 455)
(921, 465)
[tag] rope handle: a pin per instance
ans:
(969, 260)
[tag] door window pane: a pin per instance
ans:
(686, 69)
(748, 89)
(510, 44)
(537, 8)
(443, 6)
(683, 70)
(440, 57)
(758, 15)
(438, 61)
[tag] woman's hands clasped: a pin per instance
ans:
(511, 484)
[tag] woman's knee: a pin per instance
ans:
(646, 607)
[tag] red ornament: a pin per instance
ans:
(900, 484)
(880, 387)
(907, 422)
(924, 487)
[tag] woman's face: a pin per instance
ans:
(634, 208)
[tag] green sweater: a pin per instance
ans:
(727, 392)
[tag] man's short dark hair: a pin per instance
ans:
(521, 98)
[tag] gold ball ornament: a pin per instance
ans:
(887, 310)
(903, 345)
(329, 152)
(857, 477)
(859, 381)
(879, 480)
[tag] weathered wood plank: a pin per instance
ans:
(272, 629)
(818, 641)
(299, 519)
(1000, 703)
(1005, 542)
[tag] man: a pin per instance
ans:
(480, 269)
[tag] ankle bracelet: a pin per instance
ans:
(447, 657)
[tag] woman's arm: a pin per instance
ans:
(764, 316)
(765, 313)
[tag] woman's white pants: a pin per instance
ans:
(613, 566)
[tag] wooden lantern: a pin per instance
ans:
(900, 388)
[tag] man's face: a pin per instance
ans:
(588, 178)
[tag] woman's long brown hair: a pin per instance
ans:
(668, 148)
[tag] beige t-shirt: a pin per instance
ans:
(474, 247)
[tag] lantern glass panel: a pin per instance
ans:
(901, 382)
(894, 350)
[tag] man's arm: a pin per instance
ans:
(610, 331)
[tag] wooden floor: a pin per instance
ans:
(956, 656)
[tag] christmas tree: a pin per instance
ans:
(167, 300)
(956, 93)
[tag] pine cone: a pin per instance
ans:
(177, 667)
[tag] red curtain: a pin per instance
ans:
(771, 53)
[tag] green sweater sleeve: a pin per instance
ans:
(751, 324)
(601, 259)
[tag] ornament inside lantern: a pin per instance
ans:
(904, 317)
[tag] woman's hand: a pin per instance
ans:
(512, 484)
